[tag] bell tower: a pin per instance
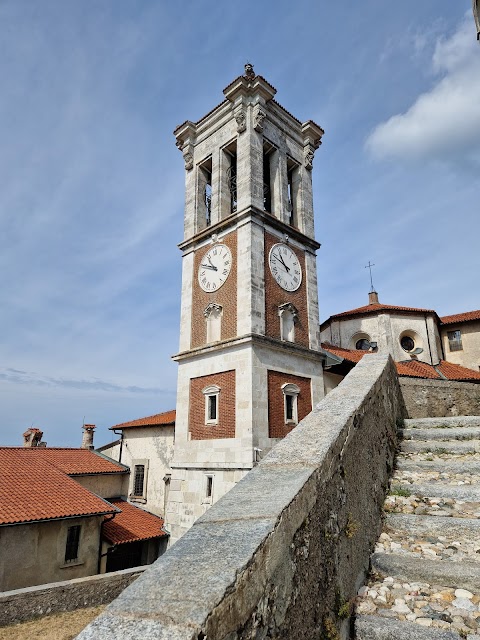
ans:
(250, 363)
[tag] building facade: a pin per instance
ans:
(250, 362)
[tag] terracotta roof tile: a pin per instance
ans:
(73, 461)
(32, 488)
(457, 372)
(413, 368)
(159, 419)
(352, 355)
(132, 524)
(461, 317)
(374, 308)
(416, 369)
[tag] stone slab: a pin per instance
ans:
(463, 574)
(378, 628)
(417, 525)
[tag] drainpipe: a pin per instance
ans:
(100, 555)
(119, 433)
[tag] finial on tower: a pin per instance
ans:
(372, 294)
(249, 72)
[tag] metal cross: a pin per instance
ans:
(369, 266)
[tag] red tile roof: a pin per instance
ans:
(461, 317)
(159, 419)
(132, 524)
(374, 308)
(352, 355)
(32, 489)
(456, 372)
(417, 369)
(413, 368)
(73, 461)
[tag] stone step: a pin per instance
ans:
(375, 627)
(440, 446)
(464, 493)
(428, 476)
(453, 421)
(464, 467)
(452, 433)
(465, 574)
(423, 526)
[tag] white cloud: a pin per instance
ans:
(444, 121)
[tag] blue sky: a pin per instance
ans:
(91, 183)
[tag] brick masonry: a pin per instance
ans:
(276, 413)
(226, 407)
(275, 296)
(226, 296)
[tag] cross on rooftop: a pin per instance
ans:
(369, 266)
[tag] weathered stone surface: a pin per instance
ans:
(380, 628)
(428, 398)
(21, 605)
(278, 551)
(449, 574)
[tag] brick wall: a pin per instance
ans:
(275, 296)
(226, 407)
(276, 412)
(226, 296)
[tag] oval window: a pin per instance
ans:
(407, 343)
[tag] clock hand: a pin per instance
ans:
(207, 266)
(213, 266)
(281, 260)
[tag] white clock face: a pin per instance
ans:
(214, 268)
(285, 267)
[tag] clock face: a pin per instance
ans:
(285, 267)
(214, 268)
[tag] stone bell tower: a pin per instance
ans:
(250, 363)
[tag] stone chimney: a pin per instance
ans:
(373, 297)
(87, 439)
(33, 438)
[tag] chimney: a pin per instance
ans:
(373, 297)
(87, 439)
(33, 438)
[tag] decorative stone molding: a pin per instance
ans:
(292, 309)
(308, 155)
(212, 308)
(259, 116)
(188, 158)
(241, 118)
(249, 72)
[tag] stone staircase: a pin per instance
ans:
(425, 581)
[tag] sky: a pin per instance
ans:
(92, 185)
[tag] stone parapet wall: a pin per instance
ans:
(25, 604)
(440, 398)
(283, 552)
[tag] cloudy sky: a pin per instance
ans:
(91, 184)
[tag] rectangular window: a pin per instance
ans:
(139, 480)
(73, 540)
(455, 340)
(267, 187)
(209, 487)
(212, 407)
(289, 405)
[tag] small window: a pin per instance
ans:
(73, 540)
(209, 487)
(407, 343)
(288, 317)
(139, 480)
(211, 394)
(455, 340)
(290, 395)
